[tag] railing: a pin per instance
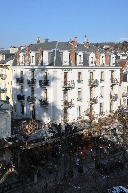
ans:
(3, 76)
(43, 103)
(31, 82)
(101, 80)
(114, 97)
(67, 104)
(31, 99)
(3, 90)
(43, 83)
(114, 81)
(19, 80)
(94, 100)
(124, 94)
(80, 81)
(79, 99)
(93, 82)
(20, 97)
(67, 85)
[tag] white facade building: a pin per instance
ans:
(60, 80)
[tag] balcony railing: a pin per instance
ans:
(94, 100)
(43, 102)
(31, 99)
(20, 97)
(43, 83)
(124, 94)
(114, 97)
(3, 90)
(114, 81)
(67, 104)
(93, 82)
(19, 80)
(31, 82)
(3, 76)
(80, 81)
(67, 85)
(101, 80)
(79, 99)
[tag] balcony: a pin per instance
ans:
(67, 104)
(3, 90)
(31, 82)
(114, 81)
(94, 100)
(80, 81)
(43, 103)
(43, 83)
(31, 100)
(124, 94)
(20, 97)
(79, 99)
(3, 76)
(67, 85)
(93, 82)
(20, 81)
(113, 97)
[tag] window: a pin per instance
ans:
(32, 74)
(65, 78)
(102, 76)
(45, 76)
(79, 94)
(21, 73)
(91, 93)
(45, 94)
(91, 60)
(102, 92)
(91, 75)
(102, 60)
(22, 59)
(79, 77)
(22, 109)
(32, 91)
(79, 111)
(65, 96)
(32, 59)
(101, 107)
(80, 59)
(113, 60)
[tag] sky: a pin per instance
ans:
(21, 22)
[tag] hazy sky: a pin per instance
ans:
(22, 21)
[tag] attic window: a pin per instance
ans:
(91, 60)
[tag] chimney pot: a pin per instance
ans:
(38, 40)
(46, 40)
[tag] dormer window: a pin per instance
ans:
(66, 58)
(32, 59)
(102, 59)
(22, 59)
(91, 60)
(80, 61)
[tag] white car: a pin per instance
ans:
(118, 189)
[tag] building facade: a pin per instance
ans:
(60, 80)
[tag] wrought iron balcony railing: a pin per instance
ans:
(31, 82)
(124, 94)
(67, 104)
(20, 97)
(67, 85)
(31, 99)
(3, 90)
(43, 103)
(93, 82)
(3, 76)
(43, 83)
(94, 100)
(114, 97)
(19, 80)
(80, 81)
(114, 81)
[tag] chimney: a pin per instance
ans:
(38, 40)
(46, 40)
(107, 58)
(86, 43)
(72, 51)
(40, 56)
(18, 57)
(27, 56)
(13, 49)
(97, 56)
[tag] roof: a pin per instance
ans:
(8, 59)
(4, 51)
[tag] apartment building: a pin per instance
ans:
(6, 59)
(60, 80)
